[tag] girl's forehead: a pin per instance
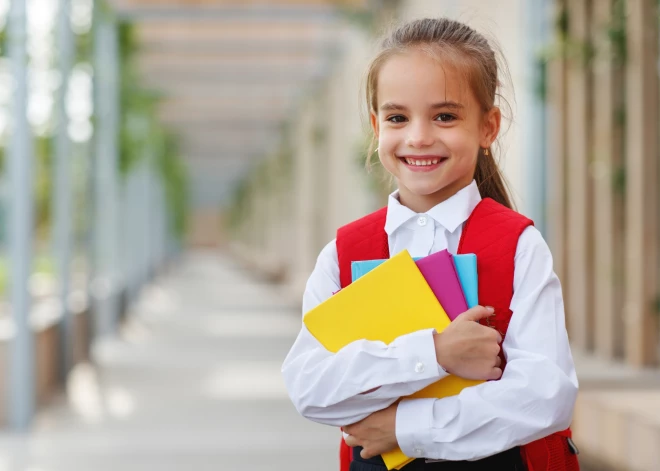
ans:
(417, 75)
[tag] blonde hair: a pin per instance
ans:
(468, 52)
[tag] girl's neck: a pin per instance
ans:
(423, 203)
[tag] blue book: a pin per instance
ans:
(359, 269)
(466, 267)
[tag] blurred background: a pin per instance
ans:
(170, 170)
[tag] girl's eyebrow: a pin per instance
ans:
(447, 104)
(389, 106)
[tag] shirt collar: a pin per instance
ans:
(450, 214)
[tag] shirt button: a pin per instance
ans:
(418, 451)
(422, 221)
(419, 367)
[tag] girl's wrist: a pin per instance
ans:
(437, 340)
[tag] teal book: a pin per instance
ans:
(466, 267)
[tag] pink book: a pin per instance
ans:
(440, 273)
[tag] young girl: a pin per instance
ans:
(431, 95)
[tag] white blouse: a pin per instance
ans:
(534, 398)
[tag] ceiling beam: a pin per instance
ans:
(245, 73)
(164, 44)
(223, 76)
(237, 32)
(204, 60)
(317, 14)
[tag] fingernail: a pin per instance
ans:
(490, 309)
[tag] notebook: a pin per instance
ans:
(466, 267)
(440, 273)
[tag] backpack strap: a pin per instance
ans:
(364, 239)
(491, 233)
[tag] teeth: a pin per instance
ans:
(421, 163)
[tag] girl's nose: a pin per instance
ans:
(419, 135)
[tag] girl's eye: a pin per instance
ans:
(396, 119)
(445, 117)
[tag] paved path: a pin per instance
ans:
(192, 384)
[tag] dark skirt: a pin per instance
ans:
(509, 460)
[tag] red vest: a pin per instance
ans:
(492, 233)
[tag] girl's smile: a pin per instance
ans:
(422, 163)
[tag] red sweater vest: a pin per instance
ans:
(491, 232)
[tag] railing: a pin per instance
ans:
(603, 153)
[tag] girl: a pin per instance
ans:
(431, 95)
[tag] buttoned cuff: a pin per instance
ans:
(413, 427)
(417, 356)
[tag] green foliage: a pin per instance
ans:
(240, 202)
(3, 41)
(616, 32)
(619, 181)
(541, 84)
(4, 275)
(175, 179)
(43, 191)
(320, 135)
(561, 22)
(137, 106)
(40, 264)
(141, 134)
(43, 263)
(362, 18)
(583, 52)
(83, 47)
(655, 306)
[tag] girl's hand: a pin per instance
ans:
(376, 434)
(469, 349)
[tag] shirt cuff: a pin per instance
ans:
(418, 356)
(414, 419)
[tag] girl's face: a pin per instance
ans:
(430, 128)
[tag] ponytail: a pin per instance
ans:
(490, 180)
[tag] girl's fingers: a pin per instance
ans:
(496, 373)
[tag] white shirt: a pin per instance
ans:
(534, 398)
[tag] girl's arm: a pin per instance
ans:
(363, 377)
(536, 394)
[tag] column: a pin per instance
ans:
(106, 277)
(63, 188)
(578, 230)
(20, 169)
(641, 261)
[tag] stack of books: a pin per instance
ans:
(394, 297)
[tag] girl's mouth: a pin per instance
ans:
(423, 163)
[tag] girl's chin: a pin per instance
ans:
(422, 190)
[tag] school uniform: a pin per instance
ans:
(533, 399)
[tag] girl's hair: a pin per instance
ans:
(469, 53)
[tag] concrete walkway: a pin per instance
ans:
(193, 383)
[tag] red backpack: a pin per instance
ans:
(491, 232)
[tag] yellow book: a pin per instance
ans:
(391, 300)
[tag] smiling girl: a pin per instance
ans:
(431, 93)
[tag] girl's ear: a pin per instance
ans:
(491, 127)
(374, 123)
